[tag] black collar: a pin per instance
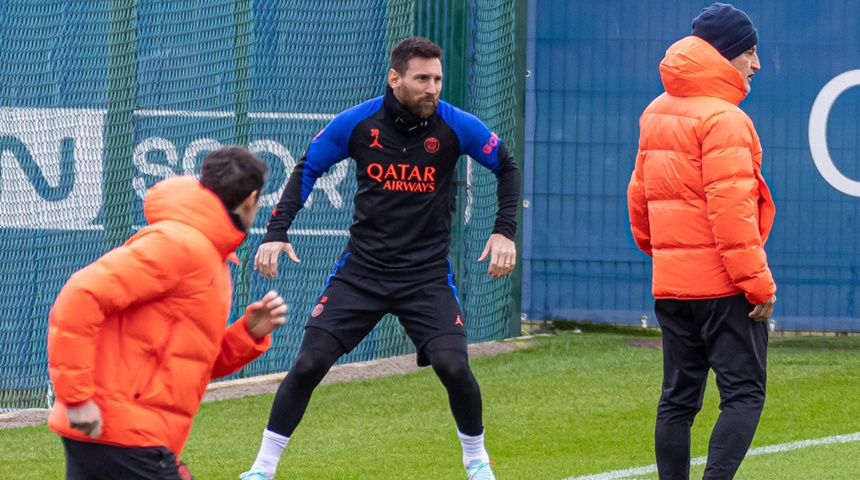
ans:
(404, 119)
(237, 221)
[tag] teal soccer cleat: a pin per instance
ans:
(478, 470)
(256, 474)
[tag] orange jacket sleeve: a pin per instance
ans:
(136, 272)
(238, 349)
(637, 208)
(731, 192)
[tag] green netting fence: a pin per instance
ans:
(100, 99)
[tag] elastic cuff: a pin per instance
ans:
(276, 236)
(257, 341)
(507, 234)
(76, 404)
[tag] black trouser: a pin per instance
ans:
(97, 461)
(447, 354)
(699, 335)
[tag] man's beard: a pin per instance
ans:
(422, 108)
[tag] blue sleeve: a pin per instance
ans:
(329, 146)
(476, 140)
(486, 148)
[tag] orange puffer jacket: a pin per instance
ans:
(141, 330)
(697, 201)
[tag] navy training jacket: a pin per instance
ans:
(405, 173)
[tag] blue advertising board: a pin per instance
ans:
(594, 68)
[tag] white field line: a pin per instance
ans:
(782, 447)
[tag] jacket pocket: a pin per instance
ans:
(145, 376)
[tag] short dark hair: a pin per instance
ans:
(413, 47)
(232, 173)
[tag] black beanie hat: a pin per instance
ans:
(725, 27)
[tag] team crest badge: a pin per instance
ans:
(431, 145)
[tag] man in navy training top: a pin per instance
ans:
(405, 144)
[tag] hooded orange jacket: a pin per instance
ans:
(697, 201)
(141, 331)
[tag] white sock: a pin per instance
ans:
(271, 447)
(473, 448)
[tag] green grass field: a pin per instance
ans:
(572, 405)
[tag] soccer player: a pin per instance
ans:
(135, 337)
(700, 207)
(405, 144)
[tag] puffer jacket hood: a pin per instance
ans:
(693, 68)
(182, 199)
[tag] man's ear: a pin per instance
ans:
(249, 203)
(393, 78)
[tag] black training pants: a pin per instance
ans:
(97, 461)
(447, 354)
(699, 335)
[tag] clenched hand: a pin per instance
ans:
(763, 311)
(87, 418)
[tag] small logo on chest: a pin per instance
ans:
(374, 132)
